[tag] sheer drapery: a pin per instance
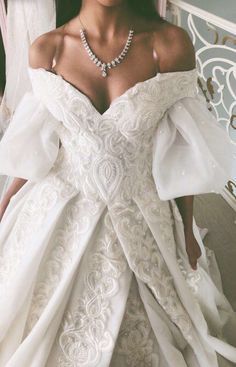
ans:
(26, 20)
(162, 7)
(3, 22)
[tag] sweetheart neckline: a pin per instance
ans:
(157, 76)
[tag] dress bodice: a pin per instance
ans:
(111, 150)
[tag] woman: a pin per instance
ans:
(99, 245)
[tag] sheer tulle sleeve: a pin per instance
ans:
(192, 153)
(30, 144)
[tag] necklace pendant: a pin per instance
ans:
(104, 70)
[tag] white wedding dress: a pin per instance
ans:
(93, 267)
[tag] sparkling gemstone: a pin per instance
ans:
(109, 65)
(113, 63)
(99, 63)
(104, 74)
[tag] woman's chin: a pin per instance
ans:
(111, 3)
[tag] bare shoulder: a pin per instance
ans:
(43, 50)
(174, 48)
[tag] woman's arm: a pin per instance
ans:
(13, 189)
(185, 205)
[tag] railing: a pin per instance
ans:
(219, 22)
(214, 39)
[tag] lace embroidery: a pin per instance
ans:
(43, 198)
(136, 340)
(66, 246)
(192, 277)
(84, 334)
(144, 256)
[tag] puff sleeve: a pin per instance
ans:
(30, 144)
(192, 153)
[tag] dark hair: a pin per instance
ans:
(68, 9)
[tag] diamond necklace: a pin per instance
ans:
(99, 63)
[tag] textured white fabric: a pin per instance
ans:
(192, 154)
(30, 145)
(93, 269)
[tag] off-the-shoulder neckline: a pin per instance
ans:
(157, 76)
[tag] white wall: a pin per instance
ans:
(223, 8)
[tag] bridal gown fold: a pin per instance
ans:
(93, 267)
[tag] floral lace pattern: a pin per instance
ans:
(136, 340)
(84, 333)
(42, 200)
(142, 252)
(192, 277)
(66, 249)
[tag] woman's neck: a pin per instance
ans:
(105, 21)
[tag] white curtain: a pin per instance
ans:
(3, 22)
(26, 20)
(162, 7)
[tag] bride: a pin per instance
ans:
(102, 263)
